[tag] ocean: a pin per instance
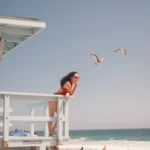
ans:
(109, 134)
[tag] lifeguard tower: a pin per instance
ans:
(14, 31)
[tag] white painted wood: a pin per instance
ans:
(32, 119)
(14, 138)
(66, 122)
(22, 22)
(30, 96)
(59, 120)
(46, 112)
(31, 141)
(32, 125)
(10, 124)
(32, 129)
(35, 140)
(6, 118)
(63, 119)
(1, 109)
(42, 147)
(30, 138)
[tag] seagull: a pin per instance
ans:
(121, 50)
(97, 59)
(2, 42)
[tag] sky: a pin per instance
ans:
(114, 94)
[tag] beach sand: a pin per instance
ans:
(96, 145)
(110, 145)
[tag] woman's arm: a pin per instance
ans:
(67, 85)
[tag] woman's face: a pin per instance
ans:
(75, 78)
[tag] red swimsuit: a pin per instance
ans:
(64, 90)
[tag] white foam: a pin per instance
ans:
(111, 144)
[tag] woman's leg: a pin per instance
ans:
(55, 125)
(52, 108)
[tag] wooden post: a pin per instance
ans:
(32, 125)
(66, 122)
(59, 120)
(46, 132)
(6, 121)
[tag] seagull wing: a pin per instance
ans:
(102, 59)
(95, 56)
(117, 50)
(125, 52)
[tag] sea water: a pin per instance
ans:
(109, 134)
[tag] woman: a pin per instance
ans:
(66, 89)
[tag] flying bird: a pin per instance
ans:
(121, 50)
(98, 61)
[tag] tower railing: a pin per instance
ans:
(7, 120)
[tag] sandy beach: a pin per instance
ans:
(110, 145)
(97, 145)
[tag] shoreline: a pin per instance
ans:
(112, 145)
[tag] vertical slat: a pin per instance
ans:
(66, 124)
(59, 120)
(63, 118)
(42, 147)
(32, 125)
(46, 132)
(6, 121)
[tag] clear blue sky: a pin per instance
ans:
(113, 94)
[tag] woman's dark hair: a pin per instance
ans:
(67, 77)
